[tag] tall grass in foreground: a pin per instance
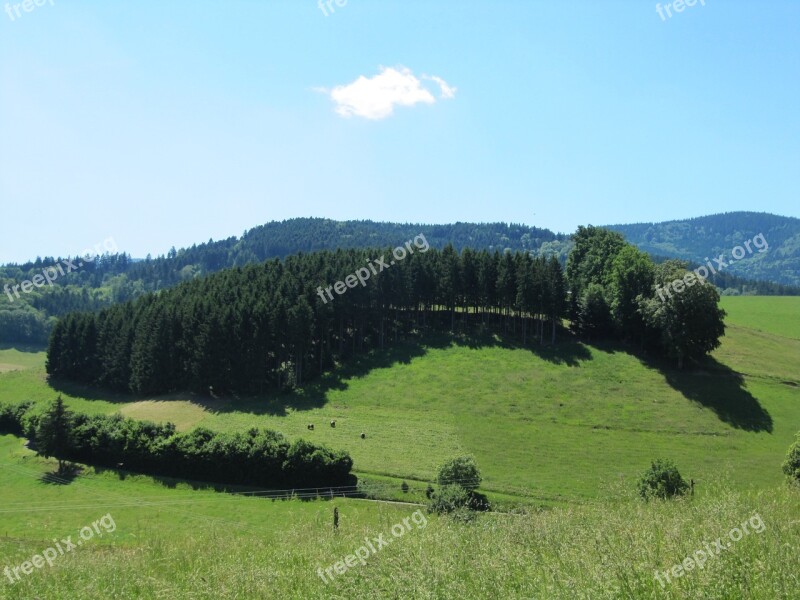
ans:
(610, 550)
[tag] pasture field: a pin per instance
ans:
(546, 425)
(779, 315)
(17, 359)
(169, 541)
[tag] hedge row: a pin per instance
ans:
(257, 458)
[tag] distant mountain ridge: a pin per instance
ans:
(709, 236)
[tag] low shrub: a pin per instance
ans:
(11, 417)
(449, 499)
(792, 464)
(662, 480)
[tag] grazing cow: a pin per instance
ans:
(363, 436)
(333, 423)
(311, 426)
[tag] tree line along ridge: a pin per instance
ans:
(261, 326)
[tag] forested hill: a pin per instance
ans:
(277, 324)
(29, 317)
(111, 279)
(279, 239)
(695, 239)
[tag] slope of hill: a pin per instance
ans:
(566, 428)
(553, 425)
(704, 238)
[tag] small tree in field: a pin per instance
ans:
(792, 465)
(52, 435)
(458, 479)
(662, 480)
(461, 471)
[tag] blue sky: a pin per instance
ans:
(171, 122)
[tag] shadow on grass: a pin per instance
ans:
(709, 383)
(723, 390)
(88, 392)
(566, 351)
(63, 477)
(275, 402)
(717, 387)
(280, 492)
(314, 394)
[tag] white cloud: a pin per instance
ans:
(448, 92)
(375, 98)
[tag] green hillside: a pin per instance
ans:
(778, 316)
(551, 425)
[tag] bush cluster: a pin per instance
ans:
(11, 418)
(458, 479)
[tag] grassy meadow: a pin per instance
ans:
(565, 428)
(170, 541)
(547, 425)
